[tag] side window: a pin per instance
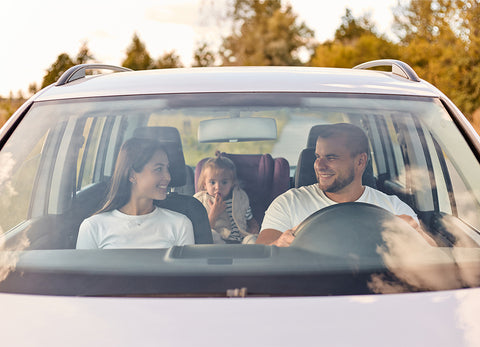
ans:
(441, 176)
(390, 149)
(96, 160)
(395, 158)
(17, 184)
(89, 151)
(115, 140)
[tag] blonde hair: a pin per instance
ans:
(219, 162)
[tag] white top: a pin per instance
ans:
(161, 228)
(294, 206)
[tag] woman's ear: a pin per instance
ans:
(131, 177)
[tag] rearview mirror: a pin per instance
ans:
(237, 129)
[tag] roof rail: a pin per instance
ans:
(78, 71)
(398, 68)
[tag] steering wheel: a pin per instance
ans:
(352, 229)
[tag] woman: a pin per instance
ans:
(129, 218)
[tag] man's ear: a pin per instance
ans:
(362, 159)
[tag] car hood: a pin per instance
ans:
(448, 318)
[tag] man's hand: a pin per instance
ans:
(285, 239)
(217, 206)
(274, 237)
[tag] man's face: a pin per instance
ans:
(334, 165)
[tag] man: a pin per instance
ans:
(341, 157)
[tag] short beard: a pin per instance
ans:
(339, 183)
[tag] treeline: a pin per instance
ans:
(440, 39)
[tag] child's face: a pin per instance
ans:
(218, 182)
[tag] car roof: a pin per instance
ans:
(239, 79)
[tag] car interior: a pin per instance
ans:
(67, 155)
(84, 148)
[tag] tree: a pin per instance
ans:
(353, 28)
(435, 41)
(138, 57)
(203, 57)
(264, 33)
(468, 94)
(169, 60)
(356, 41)
(64, 62)
(366, 47)
(32, 88)
(428, 19)
(84, 55)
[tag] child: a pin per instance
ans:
(227, 205)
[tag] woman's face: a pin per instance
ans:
(153, 180)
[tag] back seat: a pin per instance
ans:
(262, 177)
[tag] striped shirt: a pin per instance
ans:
(235, 236)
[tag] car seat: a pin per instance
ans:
(262, 177)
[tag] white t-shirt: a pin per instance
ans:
(294, 206)
(161, 228)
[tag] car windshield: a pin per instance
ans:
(57, 169)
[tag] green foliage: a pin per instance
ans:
(264, 33)
(169, 60)
(353, 28)
(359, 50)
(203, 57)
(440, 39)
(138, 57)
(8, 107)
(64, 62)
(355, 42)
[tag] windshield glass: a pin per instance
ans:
(63, 164)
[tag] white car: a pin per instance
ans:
(353, 276)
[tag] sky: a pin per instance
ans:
(34, 33)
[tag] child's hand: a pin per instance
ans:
(217, 206)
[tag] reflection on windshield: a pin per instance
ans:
(8, 260)
(419, 266)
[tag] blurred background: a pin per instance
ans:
(440, 39)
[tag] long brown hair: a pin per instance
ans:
(134, 154)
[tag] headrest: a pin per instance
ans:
(305, 174)
(169, 137)
(313, 135)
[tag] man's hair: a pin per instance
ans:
(357, 141)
